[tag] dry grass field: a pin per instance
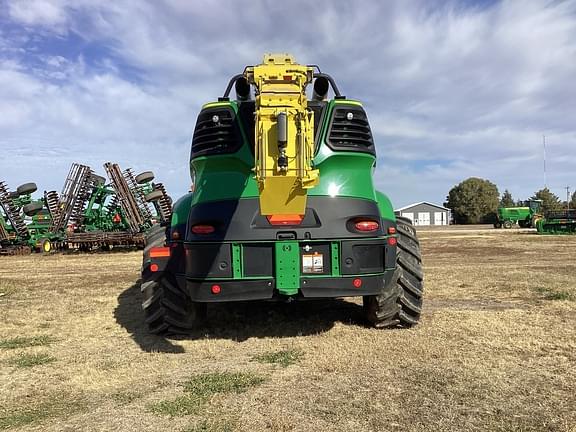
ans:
(495, 351)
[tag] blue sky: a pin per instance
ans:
(453, 89)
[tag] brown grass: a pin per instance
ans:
(496, 349)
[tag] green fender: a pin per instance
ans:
(385, 207)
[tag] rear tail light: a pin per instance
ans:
(203, 229)
(366, 226)
(291, 219)
(391, 230)
(392, 241)
(160, 252)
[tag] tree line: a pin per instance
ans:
(476, 200)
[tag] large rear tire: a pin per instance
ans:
(167, 309)
(400, 302)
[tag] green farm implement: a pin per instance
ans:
(557, 222)
(88, 213)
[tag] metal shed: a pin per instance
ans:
(425, 213)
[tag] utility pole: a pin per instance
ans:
(567, 197)
(544, 145)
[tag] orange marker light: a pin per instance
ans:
(290, 219)
(160, 252)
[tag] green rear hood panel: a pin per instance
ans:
(230, 176)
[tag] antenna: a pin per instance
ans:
(544, 145)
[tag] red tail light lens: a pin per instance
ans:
(391, 230)
(366, 226)
(392, 241)
(291, 219)
(203, 229)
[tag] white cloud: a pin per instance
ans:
(451, 90)
(49, 13)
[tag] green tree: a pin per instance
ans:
(473, 201)
(550, 202)
(573, 201)
(507, 200)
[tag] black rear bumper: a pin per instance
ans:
(264, 289)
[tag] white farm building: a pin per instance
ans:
(425, 213)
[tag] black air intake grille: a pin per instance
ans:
(216, 132)
(350, 130)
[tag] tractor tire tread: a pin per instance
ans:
(400, 302)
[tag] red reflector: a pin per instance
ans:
(357, 283)
(216, 289)
(285, 219)
(203, 229)
(392, 241)
(391, 230)
(175, 235)
(153, 267)
(159, 252)
(287, 77)
(367, 226)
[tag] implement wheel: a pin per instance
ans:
(145, 177)
(26, 188)
(46, 246)
(167, 309)
(32, 208)
(497, 225)
(507, 224)
(400, 302)
(155, 195)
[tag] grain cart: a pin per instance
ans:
(524, 216)
(283, 207)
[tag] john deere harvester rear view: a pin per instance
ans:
(283, 207)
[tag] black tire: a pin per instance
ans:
(145, 177)
(26, 188)
(167, 309)
(32, 208)
(497, 225)
(400, 302)
(154, 196)
(507, 224)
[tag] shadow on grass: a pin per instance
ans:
(129, 315)
(239, 321)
